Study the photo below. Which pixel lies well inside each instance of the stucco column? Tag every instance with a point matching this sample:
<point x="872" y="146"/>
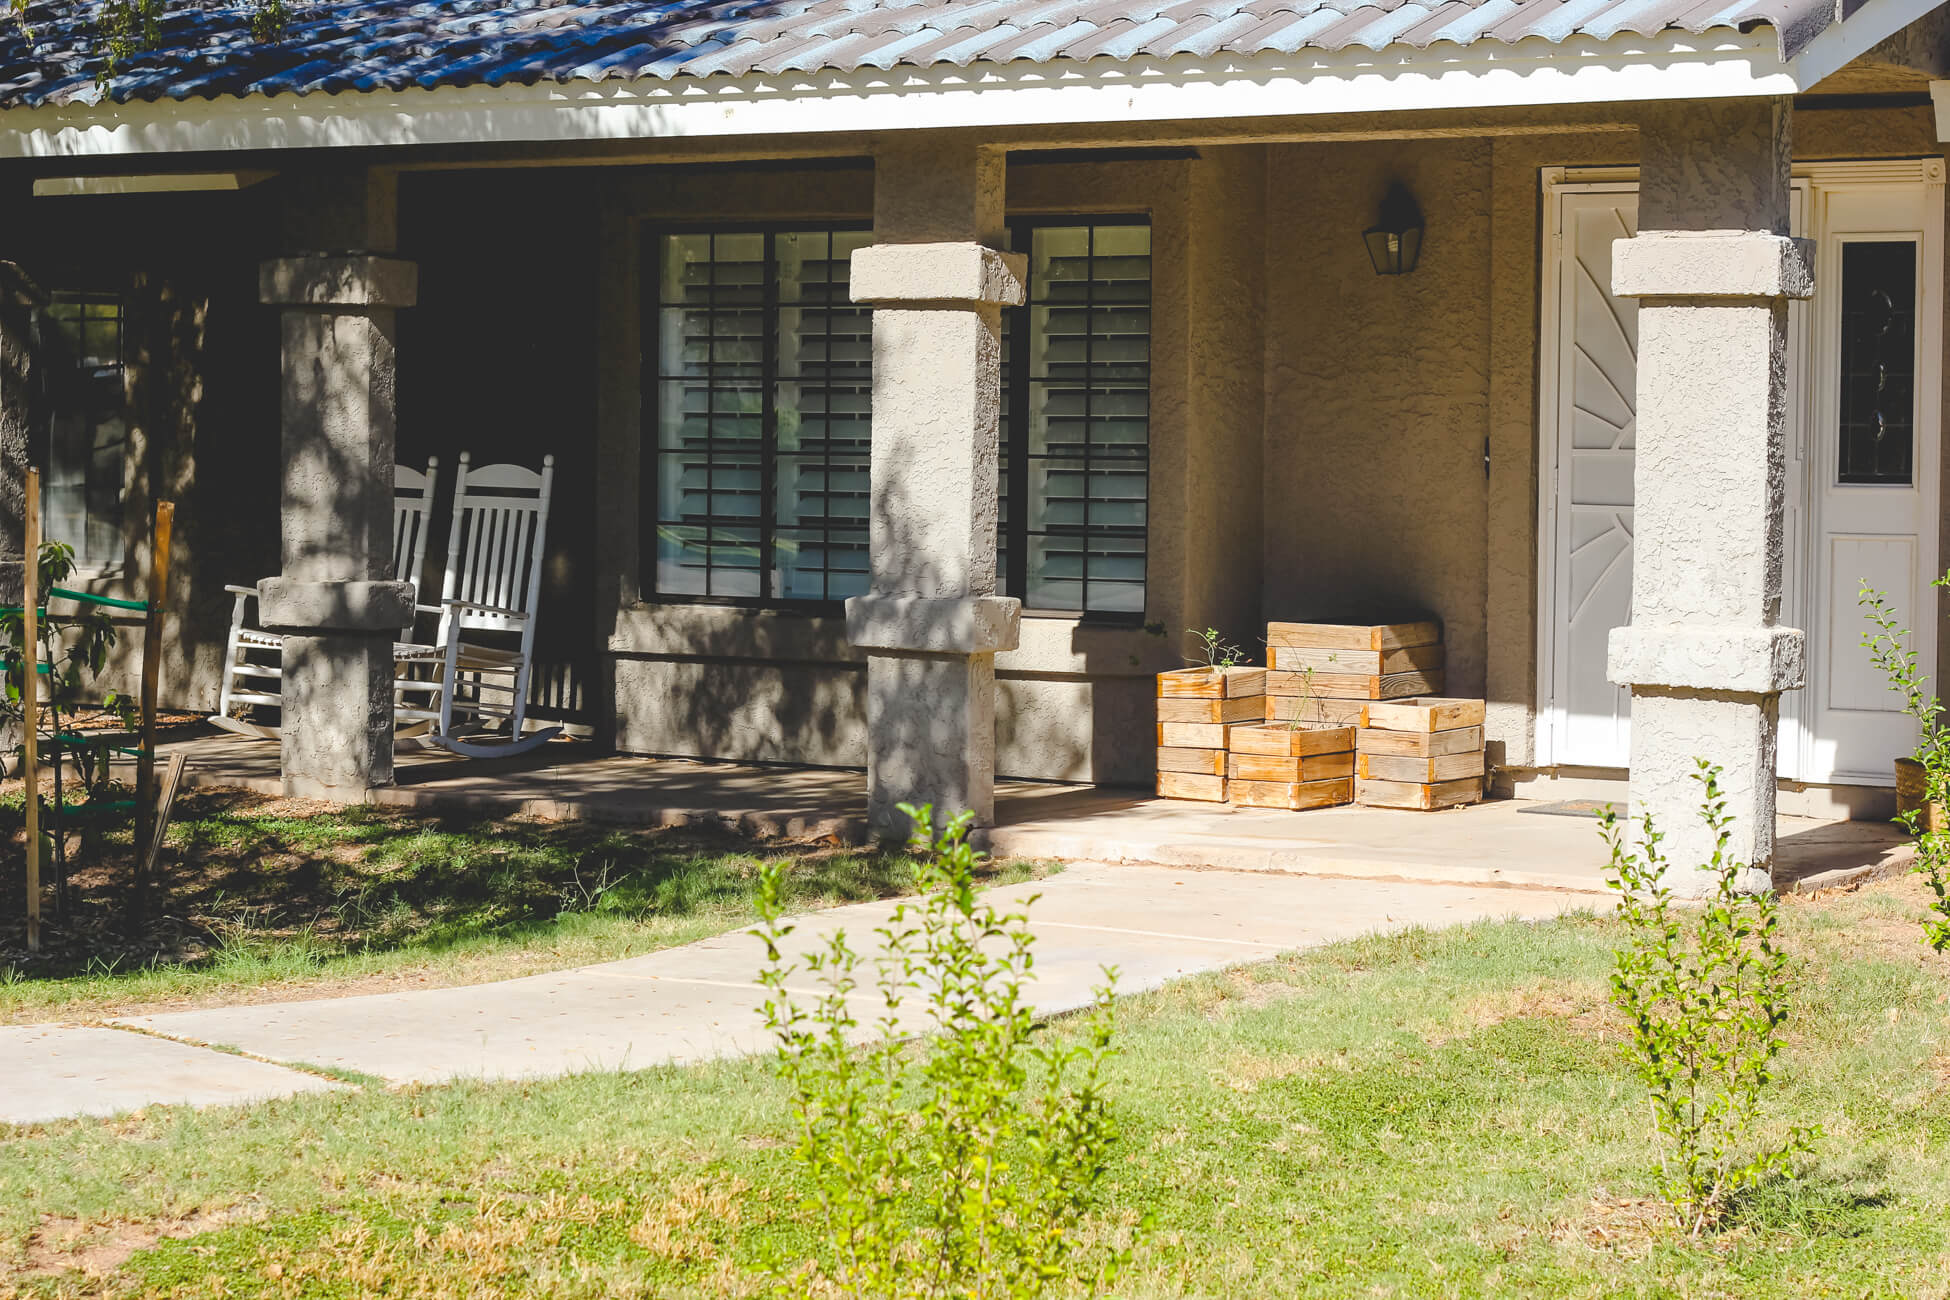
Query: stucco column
<point x="1713" y="270"/>
<point x="335" y="602"/>
<point x="932" y="622"/>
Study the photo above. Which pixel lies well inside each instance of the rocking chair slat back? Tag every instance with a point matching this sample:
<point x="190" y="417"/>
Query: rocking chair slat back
<point x="412" y="507"/>
<point x="496" y="544"/>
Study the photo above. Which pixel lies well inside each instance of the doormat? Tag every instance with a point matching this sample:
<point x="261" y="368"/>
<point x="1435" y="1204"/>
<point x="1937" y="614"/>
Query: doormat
<point x="1571" y="808"/>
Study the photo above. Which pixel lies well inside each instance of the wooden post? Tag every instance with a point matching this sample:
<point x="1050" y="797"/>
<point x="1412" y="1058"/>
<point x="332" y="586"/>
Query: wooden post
<point x="145" y="761"/>
<point x="29" y="692"/>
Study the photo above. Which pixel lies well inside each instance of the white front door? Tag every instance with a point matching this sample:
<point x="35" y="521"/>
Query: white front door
<point x="1861" y="473"/>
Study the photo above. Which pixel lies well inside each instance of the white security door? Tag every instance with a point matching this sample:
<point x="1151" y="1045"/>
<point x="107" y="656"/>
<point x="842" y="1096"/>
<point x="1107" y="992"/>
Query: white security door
<point x="1591" y="394"/>
<point x="1872" y="408"/>
<point x="1862" y="468"/>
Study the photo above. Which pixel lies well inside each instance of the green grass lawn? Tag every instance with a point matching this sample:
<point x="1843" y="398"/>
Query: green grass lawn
<point x="1438" y="1115"/>
<point x="267" y="898"/>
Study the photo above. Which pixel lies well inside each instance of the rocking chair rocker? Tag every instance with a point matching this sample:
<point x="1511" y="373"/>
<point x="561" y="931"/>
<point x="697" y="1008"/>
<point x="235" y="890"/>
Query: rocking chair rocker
<point x="477" y="698"/>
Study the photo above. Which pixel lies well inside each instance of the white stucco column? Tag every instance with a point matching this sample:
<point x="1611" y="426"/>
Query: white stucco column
<point x="1713" y="269"/>
<point x="932" y="622"/>
<point x="336" y="601"/>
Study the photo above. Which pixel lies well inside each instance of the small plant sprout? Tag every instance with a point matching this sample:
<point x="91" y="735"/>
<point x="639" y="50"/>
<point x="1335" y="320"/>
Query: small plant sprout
<point x="1889" y="646"/>
<point x="966" y="1162"/>
<point x="1212" y="650"/>
<point x="1705" y="991"/>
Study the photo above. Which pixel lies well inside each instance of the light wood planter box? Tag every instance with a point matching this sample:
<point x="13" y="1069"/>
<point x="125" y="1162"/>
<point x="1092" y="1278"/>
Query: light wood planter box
<point x="1422" y="753"/>
<point x="1316" y="663"/>
<point x="1281" y="766"/>
<point x="1353" y="636"/>
<point x="1198" y="710"/>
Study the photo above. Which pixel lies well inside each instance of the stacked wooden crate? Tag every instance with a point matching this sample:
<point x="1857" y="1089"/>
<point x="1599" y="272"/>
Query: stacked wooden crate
<point x="1283" y="766"/>
<point x="1198" y="709"/>
<point x="1420" y="753"/>
<point x="1324" y="674"/>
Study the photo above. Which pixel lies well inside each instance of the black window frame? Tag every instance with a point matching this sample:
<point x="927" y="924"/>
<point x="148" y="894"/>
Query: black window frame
<point x="650" y="379"/>
<point x="1014" y="455"/>
<point x="1012" y="452"/>
<point x="60" y="381"/>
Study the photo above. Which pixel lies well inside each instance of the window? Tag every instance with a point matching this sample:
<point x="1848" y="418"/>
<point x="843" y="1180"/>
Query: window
<point x="1878" y="361"/>
<point x="763" y="389"/>
<point x="759" y="387"/>
<point x="82" y="358"/>
<point x="1076" y="433"/>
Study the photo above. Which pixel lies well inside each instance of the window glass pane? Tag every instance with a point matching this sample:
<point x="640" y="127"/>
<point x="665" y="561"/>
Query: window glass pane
<point x="1878" y="361"/>
<point x="1086" y="440"/>
<point x="81" y="346"/>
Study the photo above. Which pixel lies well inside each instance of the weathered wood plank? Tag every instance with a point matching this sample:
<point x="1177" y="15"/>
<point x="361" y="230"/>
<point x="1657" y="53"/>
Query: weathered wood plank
<point x="1291" y="742"/>
<point x="1275" y="767"/>
<point x="1191" y="785"/>
<point x="1206" y="762"/>
<point x="1193" y="735"/>
<point x="1354" y="686"/>
<point x="1422" y="797"/>
<point x="1430" y="714"/>
<point x="1314" y="711"/>
<point x="1291" y="796"/>
<point x="1418" y="744"/>
<point x="1247" y="708"/>
<point x="1211" y="683"/>
<point x="1353" y="636"/>
<point x="1429" y="770"/>
<point x="1411" y="659"/>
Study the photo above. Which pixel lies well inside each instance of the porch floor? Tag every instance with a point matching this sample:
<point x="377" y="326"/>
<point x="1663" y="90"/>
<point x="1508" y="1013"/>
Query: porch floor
<point x="1505" y="842"/>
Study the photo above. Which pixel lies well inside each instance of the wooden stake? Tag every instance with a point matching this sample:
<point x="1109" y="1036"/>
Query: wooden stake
<point x="145" y="762"/>
<point x="30" y="686"/>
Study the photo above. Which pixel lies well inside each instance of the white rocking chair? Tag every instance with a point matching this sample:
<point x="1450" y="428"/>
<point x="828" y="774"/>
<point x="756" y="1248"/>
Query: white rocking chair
<point x="478" y="699"/>
<point x="251" y="655"/>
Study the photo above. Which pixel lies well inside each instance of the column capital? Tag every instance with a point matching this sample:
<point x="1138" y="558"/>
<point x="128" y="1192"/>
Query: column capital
<point x="1712" y="264"/>
<point x="961" y="273"/>
<point x="1722" y="660"/>
<point x="375" y="608"/>
<point x="948" y="625"/>
<point x="339" y="280"/>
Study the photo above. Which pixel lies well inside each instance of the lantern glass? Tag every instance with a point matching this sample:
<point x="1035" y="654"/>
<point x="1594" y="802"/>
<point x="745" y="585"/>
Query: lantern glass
<point x="1393" y="252"/>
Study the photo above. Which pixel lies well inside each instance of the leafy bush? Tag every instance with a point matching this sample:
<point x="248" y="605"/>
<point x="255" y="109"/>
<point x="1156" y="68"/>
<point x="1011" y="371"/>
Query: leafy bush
<point x="1889" y="647"/>
<point x="964" y="1163"/>
<point x="1705" y="991"/>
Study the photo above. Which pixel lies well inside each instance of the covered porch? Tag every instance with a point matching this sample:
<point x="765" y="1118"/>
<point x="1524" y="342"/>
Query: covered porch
<point x="1515" y="843"/>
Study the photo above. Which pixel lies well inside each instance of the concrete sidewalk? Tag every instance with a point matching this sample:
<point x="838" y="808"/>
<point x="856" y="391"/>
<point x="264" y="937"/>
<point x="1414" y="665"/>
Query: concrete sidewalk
<point x="700" y="1001"/>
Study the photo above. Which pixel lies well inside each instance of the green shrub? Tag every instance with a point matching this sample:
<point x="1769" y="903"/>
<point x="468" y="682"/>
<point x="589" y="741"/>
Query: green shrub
<point x="1889" y="646"/>
<point x="966" y="1162"/>
<point x="1705" y="990"/>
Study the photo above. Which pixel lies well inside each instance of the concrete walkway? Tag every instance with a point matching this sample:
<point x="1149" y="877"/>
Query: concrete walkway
<point x="700" y="1001"/>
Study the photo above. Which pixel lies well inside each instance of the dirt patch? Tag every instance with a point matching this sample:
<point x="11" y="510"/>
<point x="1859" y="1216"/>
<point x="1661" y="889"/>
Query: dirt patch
<point x="1630" y="1223"/>
<point x="1583" y="1008"/>
<point x="96" y="1249"/>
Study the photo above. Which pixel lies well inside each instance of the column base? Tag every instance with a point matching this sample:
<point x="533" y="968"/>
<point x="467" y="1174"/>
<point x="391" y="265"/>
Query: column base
<point x="930" y="739"/>
<point x="337" y="730"/>
<point x="1671" y="730"/>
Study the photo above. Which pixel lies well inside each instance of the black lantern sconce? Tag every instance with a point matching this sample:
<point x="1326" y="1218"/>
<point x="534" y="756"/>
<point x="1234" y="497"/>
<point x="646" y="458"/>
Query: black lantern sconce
<point x="1395" y="241"/>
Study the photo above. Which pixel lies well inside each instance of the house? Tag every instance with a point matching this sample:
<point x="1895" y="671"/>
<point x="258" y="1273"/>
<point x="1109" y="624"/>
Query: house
<point x="918" y="371"/>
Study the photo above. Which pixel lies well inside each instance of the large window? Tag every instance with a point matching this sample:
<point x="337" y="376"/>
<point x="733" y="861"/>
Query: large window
<point x="759" y="381"/>
<point x="763" y="384"/>
<point x="81" y="356"/>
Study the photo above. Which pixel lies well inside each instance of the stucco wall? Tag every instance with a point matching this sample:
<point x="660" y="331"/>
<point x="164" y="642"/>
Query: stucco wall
<point x="1377" y="394"/>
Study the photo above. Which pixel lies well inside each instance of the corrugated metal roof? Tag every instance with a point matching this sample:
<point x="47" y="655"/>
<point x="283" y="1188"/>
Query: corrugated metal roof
<point x="333" y="46"/>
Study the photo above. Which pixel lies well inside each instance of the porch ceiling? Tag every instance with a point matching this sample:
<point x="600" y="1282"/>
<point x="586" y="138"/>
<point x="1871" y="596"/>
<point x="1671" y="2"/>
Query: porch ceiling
<point x="348" y="46"/>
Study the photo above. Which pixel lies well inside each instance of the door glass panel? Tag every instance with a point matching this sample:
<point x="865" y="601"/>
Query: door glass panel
<point x="1878" y="361"/>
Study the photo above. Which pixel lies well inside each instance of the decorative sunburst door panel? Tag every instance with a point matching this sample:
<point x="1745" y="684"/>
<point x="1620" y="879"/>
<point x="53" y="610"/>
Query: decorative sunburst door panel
<point x="1596" y="388"/>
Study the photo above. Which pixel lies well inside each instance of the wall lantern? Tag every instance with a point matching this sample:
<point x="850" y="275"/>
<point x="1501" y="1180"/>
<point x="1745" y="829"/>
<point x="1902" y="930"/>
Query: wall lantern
<point x="1395" y="240"/>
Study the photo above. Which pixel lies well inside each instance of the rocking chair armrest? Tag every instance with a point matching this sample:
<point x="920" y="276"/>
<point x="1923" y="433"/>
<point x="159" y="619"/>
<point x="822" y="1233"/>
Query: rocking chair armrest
<point x="454" y="602"/>
<point x="235" y="590"/>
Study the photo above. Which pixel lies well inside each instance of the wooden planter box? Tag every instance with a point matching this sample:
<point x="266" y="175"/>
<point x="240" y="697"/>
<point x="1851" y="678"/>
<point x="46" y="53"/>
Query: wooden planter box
<point x="1423" y="754"/>
<point x="1280" y="766"/>
<point x="1910" y="788"/>
<point x="1198" y="709"/>
<point x="1319" y="662"/>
